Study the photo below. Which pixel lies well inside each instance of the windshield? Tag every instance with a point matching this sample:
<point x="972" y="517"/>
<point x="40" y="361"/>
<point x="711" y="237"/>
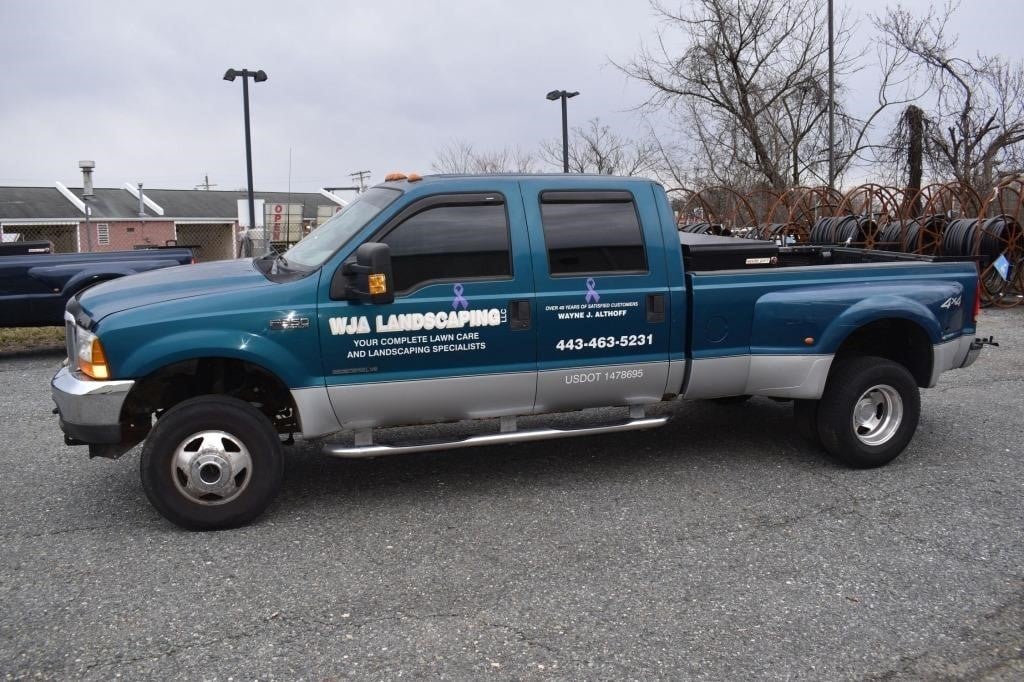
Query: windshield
<point x="319" y="244"/>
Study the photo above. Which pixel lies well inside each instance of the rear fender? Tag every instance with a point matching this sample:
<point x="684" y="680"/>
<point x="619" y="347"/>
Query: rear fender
<point x="877" y="308"/>
<point x="817" y="321"/>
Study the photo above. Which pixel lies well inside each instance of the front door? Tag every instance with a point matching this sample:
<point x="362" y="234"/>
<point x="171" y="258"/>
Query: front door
<point x="603" y="305"/>
<point x="458" y="341"/>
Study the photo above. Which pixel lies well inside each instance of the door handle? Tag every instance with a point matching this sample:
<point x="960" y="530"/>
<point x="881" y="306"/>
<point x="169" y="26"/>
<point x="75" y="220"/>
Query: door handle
<point x="519" y="315"/>
<point x="655" y="308"/>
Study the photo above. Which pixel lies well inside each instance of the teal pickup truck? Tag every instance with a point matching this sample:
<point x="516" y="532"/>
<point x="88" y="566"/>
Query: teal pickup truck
<point x="451" y="298"/>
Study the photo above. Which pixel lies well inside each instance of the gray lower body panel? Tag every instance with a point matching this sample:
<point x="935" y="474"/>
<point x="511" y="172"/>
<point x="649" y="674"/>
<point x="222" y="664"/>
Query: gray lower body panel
<point x="316" y="416"/>
<point x="951" y="355"/>
<point x="602" y="386"/>
<point x="423" y="401"/>
<point x="396" y="403"/>
<point x="776" y="376"/>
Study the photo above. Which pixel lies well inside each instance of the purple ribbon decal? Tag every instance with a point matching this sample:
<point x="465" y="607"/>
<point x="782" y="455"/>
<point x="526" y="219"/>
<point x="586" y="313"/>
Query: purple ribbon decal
<point x="592" y="295"/>
<point x="459" y="300"/>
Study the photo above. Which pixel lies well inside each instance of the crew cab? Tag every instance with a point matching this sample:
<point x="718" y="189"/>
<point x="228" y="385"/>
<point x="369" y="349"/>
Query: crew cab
<point x="450" y="298"/>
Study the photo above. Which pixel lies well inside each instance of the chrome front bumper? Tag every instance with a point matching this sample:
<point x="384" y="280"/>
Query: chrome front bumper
<point x="90" y="411"/>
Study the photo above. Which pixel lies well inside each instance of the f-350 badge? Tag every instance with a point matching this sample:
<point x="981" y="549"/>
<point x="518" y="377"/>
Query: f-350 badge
<point x="290" y="323"/>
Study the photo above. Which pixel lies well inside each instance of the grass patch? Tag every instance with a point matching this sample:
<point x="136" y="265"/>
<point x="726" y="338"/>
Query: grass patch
<point x="31" y="338"/>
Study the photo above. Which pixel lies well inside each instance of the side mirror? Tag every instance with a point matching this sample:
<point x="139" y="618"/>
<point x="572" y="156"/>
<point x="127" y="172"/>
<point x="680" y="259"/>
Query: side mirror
<point x="366" y="278"/>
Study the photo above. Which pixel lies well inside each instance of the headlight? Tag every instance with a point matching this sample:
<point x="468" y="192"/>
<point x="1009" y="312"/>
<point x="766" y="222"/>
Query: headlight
<point x="89" y="353"/>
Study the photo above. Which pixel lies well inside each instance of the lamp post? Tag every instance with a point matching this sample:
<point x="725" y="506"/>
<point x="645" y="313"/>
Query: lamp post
<point x="563" y="95"/>
<point x="258" y="77"/>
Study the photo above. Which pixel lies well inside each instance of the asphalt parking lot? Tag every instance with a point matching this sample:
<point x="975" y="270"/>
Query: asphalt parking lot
<point x="718" y="547"/>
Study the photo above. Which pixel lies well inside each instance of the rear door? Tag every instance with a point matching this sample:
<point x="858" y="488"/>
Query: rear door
<point x="602" y="294"/>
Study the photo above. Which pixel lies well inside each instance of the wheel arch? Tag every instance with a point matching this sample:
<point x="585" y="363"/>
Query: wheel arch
<point x="899" y="339"/>
<point x="175" y="382"/>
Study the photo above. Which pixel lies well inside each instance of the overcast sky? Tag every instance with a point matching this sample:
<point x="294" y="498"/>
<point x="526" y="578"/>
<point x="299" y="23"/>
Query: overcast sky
<point x="137" y="86"/>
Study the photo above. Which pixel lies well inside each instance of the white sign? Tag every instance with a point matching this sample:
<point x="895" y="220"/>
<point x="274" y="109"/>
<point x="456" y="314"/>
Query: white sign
<point x="243" y="212"/>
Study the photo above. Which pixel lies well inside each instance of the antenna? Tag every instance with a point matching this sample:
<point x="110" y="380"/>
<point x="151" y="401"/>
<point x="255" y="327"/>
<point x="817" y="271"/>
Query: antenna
<point x="205" y="184"/>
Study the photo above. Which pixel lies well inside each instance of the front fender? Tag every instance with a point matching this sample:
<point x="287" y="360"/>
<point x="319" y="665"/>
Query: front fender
<point x="265" y="351"/>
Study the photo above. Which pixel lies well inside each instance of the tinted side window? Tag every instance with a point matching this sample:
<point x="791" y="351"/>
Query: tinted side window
<point x="450" y="242"/>
<point x="592" y="236"/>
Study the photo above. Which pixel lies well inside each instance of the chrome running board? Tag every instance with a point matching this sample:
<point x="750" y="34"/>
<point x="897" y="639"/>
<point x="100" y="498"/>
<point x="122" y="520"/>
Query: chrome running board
<point x="370" y="450"/>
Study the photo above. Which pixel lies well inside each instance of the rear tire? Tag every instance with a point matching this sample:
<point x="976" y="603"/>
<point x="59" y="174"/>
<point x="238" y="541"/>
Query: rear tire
<point x="212" y="462"/>
<point x="869" y="411"/>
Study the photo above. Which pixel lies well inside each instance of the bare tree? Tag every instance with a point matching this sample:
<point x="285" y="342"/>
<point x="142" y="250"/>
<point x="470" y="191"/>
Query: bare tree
<point x="597" y="149"/>
<point x="456" y="157"/>
<point x="459" y="157"/>
<point x="975" y="129"/>
<point x="750" y="87"/>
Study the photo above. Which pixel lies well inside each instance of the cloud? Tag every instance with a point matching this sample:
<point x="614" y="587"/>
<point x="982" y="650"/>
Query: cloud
<point x="137" y="86"/>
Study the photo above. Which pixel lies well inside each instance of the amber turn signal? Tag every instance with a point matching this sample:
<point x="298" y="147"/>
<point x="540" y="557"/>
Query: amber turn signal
<point x="378" y="284"/>
<point x="96" y="364"/>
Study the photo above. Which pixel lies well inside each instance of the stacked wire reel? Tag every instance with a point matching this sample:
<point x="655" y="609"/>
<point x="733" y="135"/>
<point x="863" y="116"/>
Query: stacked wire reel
<point x="942" y="219"/>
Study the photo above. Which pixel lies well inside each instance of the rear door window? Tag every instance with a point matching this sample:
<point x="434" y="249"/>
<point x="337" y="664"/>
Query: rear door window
<point x="592" y="233"/>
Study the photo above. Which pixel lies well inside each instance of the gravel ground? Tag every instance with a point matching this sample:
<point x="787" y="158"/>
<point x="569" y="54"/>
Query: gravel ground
<point x="717" y="547"/>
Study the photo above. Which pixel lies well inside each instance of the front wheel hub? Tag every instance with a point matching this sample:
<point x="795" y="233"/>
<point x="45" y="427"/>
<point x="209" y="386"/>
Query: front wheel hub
<point x="211" y="467"/>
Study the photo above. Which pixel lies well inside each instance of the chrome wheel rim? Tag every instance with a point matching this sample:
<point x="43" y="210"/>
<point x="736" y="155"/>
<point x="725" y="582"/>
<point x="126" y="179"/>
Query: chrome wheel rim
<point x="877" y="415"/>
<point x="211" y="467"/>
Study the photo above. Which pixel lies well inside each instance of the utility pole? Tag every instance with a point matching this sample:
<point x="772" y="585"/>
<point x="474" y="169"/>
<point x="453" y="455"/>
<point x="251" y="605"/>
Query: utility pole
<point x="360" y="177"/>
<point x="206" y="184"/>
<point x="831" y="101"/>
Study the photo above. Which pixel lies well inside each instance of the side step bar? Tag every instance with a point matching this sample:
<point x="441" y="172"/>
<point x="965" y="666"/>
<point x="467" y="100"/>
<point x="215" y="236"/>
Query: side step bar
<point x="360" y="451"/>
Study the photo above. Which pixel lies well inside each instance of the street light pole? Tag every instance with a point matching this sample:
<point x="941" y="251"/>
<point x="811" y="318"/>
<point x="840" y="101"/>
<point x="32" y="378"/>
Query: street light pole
<point x="563" y="95"/>
<point x="258" y="77"/>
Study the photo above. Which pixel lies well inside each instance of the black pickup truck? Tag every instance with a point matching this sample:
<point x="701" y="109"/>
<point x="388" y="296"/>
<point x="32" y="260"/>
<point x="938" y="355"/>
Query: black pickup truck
<point x="35" y="285"/>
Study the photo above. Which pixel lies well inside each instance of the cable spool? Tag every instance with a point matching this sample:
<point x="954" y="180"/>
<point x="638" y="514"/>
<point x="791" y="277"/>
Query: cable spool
<point x="835" y="230"/>
<point x="928" y="240"/>
<point x="821" y="233"/>
<point x="769" y="230"/>
<point x="852" y="230"/>
<point x="999" y="235"/>
<point x="758" y="231"/>
<point x="889" y="237"/>
<point x="958" y="237"/>
<point x="707" y="228"/>
<point x="697" y="228"/>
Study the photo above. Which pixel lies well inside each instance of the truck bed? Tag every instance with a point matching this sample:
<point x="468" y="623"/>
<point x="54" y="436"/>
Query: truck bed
<point x="708" y="253"/>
